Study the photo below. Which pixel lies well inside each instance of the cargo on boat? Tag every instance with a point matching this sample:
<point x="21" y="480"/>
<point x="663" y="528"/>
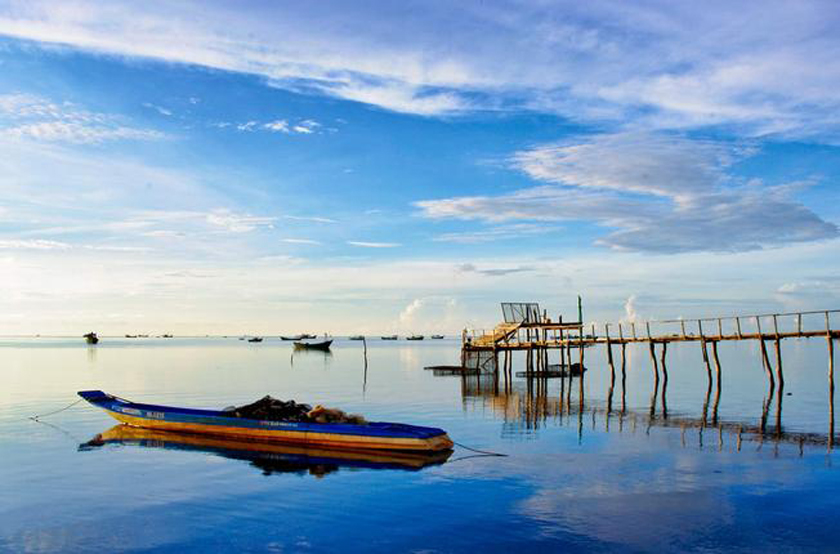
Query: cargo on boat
<point x="375" y="435"/>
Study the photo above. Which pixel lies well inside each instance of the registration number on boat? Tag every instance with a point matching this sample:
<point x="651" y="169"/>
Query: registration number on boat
<point x="277" y="424"/>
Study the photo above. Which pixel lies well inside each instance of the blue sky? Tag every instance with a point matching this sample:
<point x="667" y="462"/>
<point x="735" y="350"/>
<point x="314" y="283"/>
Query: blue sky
<point x="400" y="167"/>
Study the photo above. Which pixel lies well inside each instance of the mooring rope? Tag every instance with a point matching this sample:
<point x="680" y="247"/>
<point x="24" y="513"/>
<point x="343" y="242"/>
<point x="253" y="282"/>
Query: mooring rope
<point x="38" y="417"/>
<point x="485" y="452"/>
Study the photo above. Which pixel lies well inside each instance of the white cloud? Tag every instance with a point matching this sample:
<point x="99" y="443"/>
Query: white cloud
<point x="36" y="244"/>
<point x="301" y="241"/>
<point x="769" y="68"/>
<point x="373" y="244"/>
<point x="34" y="117"/>
<point x="249" y="126"/>
<point x="159" y="109"/>
<point x="497" y="233"/>
<point x="239" y="223"/>
<point x="492" y="271"/>
<point x="314" y="219"/>
<point x="278" y="126"/>
<point x="662" y="194"/>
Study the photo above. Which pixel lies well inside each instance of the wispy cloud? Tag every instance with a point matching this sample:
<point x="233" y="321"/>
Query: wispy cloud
<point x="373" y="244"/>
<point x="655" y="193"/>
<point x="498" y="232"/>
<point x="492" y="271"/>
<point x="314" y="219"/>
<point x="36" y="244"/>
<point x="34" y="117"/>
<point x="278" y="126"/>
<point x="301" y="241"/>
<point x="159" y="109"/>
<point x="40" y="244"/>
<point x="769" y="68"/>
<point x="239" y="223"/>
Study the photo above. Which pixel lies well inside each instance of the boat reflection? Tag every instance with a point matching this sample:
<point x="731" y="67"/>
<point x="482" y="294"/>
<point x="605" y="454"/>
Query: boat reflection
<point x="270" y="458"/>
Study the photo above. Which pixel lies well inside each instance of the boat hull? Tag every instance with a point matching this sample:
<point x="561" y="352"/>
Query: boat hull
<point x="373" y="436"/>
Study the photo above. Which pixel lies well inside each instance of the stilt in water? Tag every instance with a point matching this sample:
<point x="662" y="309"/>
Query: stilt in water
<point x="612" y="373"/>
<point x="664" y="381"/>
<point x="718" y="387"/>
<point x="654" y="364"/>
<point x="705" y="416"/>
<point x="623" y="378"/>
<point x="580" y="377"/>
<point x="830" y="382"/>
<point x="764" y="358"/>
<point x="780" y="377"/>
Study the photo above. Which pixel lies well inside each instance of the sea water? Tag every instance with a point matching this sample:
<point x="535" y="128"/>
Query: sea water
<point x="617" y="470"/>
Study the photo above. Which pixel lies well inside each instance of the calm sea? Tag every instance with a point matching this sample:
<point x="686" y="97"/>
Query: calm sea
<point x="626" y="472"/>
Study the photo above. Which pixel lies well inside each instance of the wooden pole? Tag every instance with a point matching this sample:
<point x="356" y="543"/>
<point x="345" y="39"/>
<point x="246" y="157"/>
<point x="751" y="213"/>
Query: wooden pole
<point x="718" y="387"/>
<point x="623" y="377"/>
<point x="609" y="353"/>
<point x="580" y="376"/>
<point x="830" y="381"/>
<point x="705" y="353"/>
<point x="652" y="346"/>
<point x="779" y="373"/>
<point x="664" y="381"/>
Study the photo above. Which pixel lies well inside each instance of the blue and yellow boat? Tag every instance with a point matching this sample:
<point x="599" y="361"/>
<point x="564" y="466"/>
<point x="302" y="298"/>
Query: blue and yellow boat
<point x="369" y="436"/>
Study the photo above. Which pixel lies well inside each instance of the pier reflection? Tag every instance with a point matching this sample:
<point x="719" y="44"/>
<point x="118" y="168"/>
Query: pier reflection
<point x="270" y="458"/>
<point x="528" y="404"/>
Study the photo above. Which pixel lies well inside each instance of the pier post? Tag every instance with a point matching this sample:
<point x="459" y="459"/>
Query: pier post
<point x="765" y="359"/>
<point x="609" y="353"/>
<point x="623" y="377"/>
<point x="830" y="340"/>
<point x="705" y="352"/>
<point x="780" y="377"/>
<point x="664" y="381"/>
<point x="779" y="374"/>
<point x="652" y="346"/>
<point x="718" y="388"/>
<point x="580" y="377"/>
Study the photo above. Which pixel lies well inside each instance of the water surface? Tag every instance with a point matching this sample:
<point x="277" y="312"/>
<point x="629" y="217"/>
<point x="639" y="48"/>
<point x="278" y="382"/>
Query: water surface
<point x="646" y="477"/>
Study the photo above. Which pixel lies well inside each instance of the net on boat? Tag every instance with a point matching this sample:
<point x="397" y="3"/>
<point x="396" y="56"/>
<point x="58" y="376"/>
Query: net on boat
<point x="272" y="409"/>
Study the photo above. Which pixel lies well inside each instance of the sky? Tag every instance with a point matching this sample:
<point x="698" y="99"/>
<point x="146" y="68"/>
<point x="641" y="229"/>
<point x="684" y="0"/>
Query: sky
<point x="399" y="167"/>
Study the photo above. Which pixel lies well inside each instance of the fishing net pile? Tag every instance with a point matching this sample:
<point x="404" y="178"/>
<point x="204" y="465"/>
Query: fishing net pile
<point x="272" y="409"/>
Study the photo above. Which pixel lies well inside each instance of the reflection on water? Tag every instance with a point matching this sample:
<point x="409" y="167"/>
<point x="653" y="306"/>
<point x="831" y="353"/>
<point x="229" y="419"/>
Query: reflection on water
<point x="615" y="461"/>
<point x="270" y="458"/>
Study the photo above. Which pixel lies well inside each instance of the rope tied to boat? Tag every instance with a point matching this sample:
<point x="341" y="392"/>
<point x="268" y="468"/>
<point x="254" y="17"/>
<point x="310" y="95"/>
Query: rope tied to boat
<point x="485" y="452"/>
<point x="38" y="417"/>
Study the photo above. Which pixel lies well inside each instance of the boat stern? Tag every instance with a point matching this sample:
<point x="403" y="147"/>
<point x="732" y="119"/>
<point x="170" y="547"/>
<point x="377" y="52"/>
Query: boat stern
<point x="95" y="397"/>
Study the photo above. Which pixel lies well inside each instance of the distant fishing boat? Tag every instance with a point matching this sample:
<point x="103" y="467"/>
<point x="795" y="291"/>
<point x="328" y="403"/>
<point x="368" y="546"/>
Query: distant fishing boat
<point x="166" y="336"/>
<point x="295" y="337"/>
<point x="367" y="436"/>
<point x="357" y="337"/>
<point x="415" y="337"/>
<point x="255" y="339"/>
<point x="91" y="338"/>
<point x="437" y="337"/>
<point x="323" y="345"/>
<point x="389" y="337"/>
